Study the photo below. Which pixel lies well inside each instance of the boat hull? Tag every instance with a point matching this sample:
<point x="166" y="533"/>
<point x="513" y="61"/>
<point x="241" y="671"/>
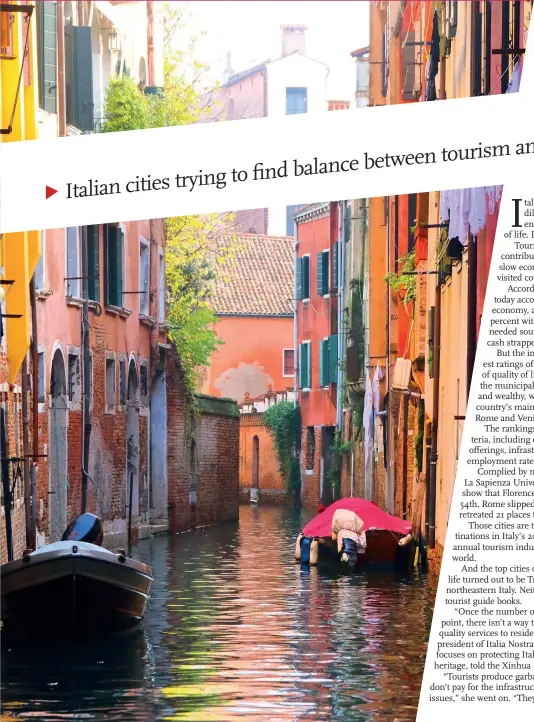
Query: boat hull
<point x="74" y="588"/>
<point x="382" y="549"/>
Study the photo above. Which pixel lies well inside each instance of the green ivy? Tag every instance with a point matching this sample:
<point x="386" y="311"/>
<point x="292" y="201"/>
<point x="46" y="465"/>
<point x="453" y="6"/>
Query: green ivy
<point x="334" y="478"/>
<point x="342" y="448"/>
<point x="283" y="422"/>
<point x="420" y="436"/>
<point x="404" y="281"/>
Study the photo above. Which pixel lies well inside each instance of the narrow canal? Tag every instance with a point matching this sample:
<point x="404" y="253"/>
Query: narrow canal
<point x="235" y="630"/>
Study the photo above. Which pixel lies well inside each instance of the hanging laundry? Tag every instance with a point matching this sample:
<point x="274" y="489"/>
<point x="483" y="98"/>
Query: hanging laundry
<point x="432" y="65"/>
<point x="368" y="419"/>
<point x="377" y="378"/>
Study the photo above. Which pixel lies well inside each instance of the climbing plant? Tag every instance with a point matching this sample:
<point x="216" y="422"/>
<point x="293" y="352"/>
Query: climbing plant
<point x="404" y="281"/>
<point x="420" y="436"/>
<point x="283" y="422"/>
<point x="340" y="447"/>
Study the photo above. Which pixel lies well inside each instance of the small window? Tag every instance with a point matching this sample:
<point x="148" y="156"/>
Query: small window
<point x="73" y="262"/>
<point x="41" y="387"/>
<point x="144" y="275"/>
<point x="296" y="101"/>
<point x="161" y="287"/>
<point x="310" y="448"/>
<point x="289" y="362"/>
<point x="122" y="381"/>
<point x="144" y="384"/>
<point x="74" y="379"/>
<point x="110" y="385"/>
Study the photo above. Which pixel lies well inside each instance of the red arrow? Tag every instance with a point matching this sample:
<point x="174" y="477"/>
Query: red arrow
<point x="50" y="192"/>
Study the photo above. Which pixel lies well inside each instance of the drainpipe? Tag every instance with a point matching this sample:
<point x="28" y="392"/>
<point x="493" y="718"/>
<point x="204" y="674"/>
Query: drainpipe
<point x="25" y="452"/>
<point x="60" y="22"/>
<point x="435" y="395"/>
<point x="35" y="412"/>
<point x="296" y="359"/>
<point x="341" y="301"/>
<point x="471" y="309"/>
<point x="86" y="365"/>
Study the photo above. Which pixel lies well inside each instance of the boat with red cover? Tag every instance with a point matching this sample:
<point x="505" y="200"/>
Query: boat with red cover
<point x="388" y="539"/>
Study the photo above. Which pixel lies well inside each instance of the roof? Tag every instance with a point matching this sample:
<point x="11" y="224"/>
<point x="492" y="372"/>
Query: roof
<point x="259" y="278"/>
<point x="361" y="51"/>
<point x="260" y="68"/>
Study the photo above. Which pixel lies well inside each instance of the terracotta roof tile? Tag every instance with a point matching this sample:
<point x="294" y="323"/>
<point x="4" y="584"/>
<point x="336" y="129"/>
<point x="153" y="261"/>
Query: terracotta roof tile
<point x="258" y="279"/>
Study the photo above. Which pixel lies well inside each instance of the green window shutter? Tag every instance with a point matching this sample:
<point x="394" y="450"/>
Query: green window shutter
<point x="323" y="363"/>
<point x="326" y="272"/>
<point x="119" y="252"/>
<point x="93" y="263"/>
<point x="79" y="77"/>
<point x="309" y="379"/>
<point x="306" y="277"/>
<point x="332" y="359"/>
<point x="113" y="260"/>
<point x="303" y="370"/>
<point x="320" y="274"/>
<point x="335" y="263"/>
<point x="298" y="275"/>
<point x="47" y="55"/>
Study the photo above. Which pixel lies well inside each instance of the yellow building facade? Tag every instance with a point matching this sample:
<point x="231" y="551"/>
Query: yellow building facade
<point x="19" y="252"/>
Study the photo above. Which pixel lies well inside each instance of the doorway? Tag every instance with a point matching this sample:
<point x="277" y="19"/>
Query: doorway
<point x="57" y="431"/>
<point x="255" y="463"/>
<point x="158" y="447"/>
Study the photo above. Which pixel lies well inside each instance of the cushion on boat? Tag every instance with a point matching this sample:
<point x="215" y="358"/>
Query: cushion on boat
<point x="348" y="520"/>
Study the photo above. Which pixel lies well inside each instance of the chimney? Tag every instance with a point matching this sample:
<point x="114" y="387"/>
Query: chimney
<point x="293" y="39"/>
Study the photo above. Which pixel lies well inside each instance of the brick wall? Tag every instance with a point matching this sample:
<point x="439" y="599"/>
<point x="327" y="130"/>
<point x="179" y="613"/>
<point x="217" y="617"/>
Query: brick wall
<point x="311" y="478"/>
<point x="11" y="402"/>
<point x="203" y="452"/>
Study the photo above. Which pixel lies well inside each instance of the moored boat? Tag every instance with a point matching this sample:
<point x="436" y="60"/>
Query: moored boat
<point x="373" y="537"/>
<point x="74" y="586"/>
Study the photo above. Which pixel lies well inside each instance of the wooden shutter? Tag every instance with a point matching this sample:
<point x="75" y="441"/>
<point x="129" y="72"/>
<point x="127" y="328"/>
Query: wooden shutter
<point x="323" y="363"/>
<point x="304" y="365"/>
<point x="93" y="263"/>
<point x="332" y="359"/>
<point x="309" y="379"/>
<point x="320" y="275"/>
<point x="113" y="261"/>
<point x="298" y="275"/>
<point x="335" y="251"/>
<point x="306" y="277"/>
<point x="47" y="54"/>
<point x="73" y="262"/>
<point x="119" y="253"/>
<point x="79" y="77"/>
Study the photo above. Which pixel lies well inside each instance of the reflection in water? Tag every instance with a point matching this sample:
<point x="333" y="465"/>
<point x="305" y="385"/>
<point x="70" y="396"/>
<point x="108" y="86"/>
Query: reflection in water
<point x="235" y="630"/>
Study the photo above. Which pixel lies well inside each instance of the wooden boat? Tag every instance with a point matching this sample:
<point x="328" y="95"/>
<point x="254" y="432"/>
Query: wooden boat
<point x="388" y="537"/>
<point x="74" y="586"/>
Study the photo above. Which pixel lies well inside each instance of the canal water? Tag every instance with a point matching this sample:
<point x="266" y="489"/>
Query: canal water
<point x="235" y="630"/>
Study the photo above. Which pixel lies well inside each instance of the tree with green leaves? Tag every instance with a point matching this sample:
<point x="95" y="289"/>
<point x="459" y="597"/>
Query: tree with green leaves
<point x="192" y="264"/>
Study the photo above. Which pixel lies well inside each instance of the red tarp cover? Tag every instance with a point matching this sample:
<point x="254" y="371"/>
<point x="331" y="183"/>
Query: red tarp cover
<point x="372" y="516"/>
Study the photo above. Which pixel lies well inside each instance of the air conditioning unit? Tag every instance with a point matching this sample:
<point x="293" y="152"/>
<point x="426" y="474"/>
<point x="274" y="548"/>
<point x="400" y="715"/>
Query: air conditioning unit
<point x="402" y="374"/>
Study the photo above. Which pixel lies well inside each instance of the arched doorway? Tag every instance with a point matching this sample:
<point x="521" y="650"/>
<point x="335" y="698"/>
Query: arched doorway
<point x="132" y="441"/>
<point x="255" y="463"/>
<point x="158" y="447"/>
<point x="57" y="455"/>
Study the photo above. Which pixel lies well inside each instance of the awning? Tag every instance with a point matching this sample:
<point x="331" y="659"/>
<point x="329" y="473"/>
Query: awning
<point x="113" y="14"/>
